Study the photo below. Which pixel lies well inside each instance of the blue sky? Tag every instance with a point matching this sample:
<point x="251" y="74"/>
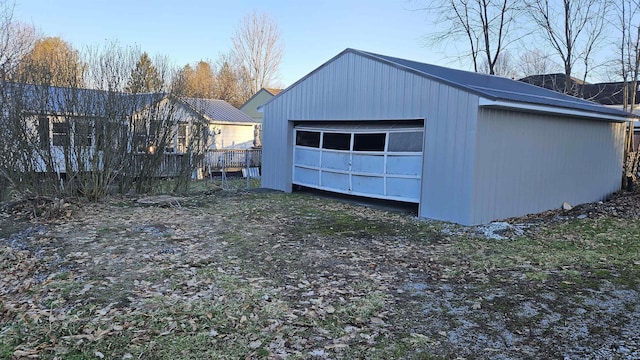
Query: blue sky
<point x="190" y="30"/>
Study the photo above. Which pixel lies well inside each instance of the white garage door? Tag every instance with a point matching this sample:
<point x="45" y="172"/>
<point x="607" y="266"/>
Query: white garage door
<point x="383" y="163"/>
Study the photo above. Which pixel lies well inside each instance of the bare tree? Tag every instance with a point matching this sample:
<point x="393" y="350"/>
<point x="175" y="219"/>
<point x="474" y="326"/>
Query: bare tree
<point x="628" y="25"/>
<point x="536" y="62"/>
<point x="63" y="141"/>
<point x="16" y="40"/>
<point x="484" y="24"/>
<point x="109" y="65"/>
<point x="504" y="66"/>
<point x="258" y="50"/>
<point x="573" y="29"/>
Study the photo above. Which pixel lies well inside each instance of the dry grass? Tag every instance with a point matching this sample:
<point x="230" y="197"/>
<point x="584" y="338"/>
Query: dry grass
<point x="237" y="274"/>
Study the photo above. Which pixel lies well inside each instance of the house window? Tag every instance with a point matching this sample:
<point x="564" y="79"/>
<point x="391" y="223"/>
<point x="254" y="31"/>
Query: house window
<point x="140" y="136"/>
<point x="43" y="132"/>
<point x="60" y="133"/>
<point x="405" y="141"/>
<point x="369" y="142"/>
<point x="182" y="137"/>
<point x="336" y="141"/>
<point x="308" y="139"/>
<point x="82" y="133"/>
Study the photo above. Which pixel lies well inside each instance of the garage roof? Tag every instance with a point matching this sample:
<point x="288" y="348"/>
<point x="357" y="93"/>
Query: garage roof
<point x="496" y="91"/>
<point x="500" y="91"/>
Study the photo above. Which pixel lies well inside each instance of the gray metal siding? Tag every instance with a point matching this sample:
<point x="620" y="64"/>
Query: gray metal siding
<point x="528" y="163"/>
<point x="353" y="87"/>
<point x="450" y="140"/>
<point x="277" y="151"/>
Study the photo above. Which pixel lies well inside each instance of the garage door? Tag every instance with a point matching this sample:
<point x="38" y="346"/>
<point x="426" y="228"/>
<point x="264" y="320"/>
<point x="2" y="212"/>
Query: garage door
<point x="384" y="163"/>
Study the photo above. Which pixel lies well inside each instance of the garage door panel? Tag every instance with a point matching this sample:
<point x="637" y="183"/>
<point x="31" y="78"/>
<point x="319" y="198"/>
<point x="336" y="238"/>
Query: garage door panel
<point x="307" y="157"/>
<point x="404" y="188"/>
<point x="338" y="181"/>
<point x="365" y="163"/>
<point x="304" y="176"/>
<point x="367" y="184"/>
<point x="335" y="160"/>
<point x="404" y="164"/>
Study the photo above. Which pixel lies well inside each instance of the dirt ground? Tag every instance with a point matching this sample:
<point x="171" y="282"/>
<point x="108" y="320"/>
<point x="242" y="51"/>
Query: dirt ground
<point x="252" y="274"/>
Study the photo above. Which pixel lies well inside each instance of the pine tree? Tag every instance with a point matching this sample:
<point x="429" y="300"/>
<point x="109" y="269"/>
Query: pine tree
<point x="145" y="77"/>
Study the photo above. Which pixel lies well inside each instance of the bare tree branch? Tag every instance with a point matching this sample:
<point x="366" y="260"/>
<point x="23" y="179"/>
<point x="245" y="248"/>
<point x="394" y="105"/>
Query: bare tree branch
<point x="16" y="40"/>
<point x="573" y="29"/>
<point x="258" y="50"/>
<point x="483" y="24"/>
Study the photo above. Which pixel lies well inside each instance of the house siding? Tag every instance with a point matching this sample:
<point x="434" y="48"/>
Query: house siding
<point x="251" y="107"/>
<point x="528" y="163"/>
<point x="232" y="136"/>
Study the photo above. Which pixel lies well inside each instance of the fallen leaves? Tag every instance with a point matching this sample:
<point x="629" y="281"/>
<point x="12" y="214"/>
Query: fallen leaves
<point x="231" y="276"/>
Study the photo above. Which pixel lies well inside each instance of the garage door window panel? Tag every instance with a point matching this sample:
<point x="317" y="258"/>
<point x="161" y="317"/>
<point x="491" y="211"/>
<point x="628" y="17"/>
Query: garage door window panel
<point x="336" y="181"/>
<point x="308" y="139"/>
<point x="307" y="176"/>
<point x="401" y="187"/>
<point x="336" y="141"/>
<point x="405" y="142"/>
<point x="369" y="142"/>
<point x="404" y="164"/>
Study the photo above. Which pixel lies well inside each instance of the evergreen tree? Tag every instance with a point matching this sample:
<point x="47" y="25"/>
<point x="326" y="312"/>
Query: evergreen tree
<point x="144" y="77"/>
<point x="227" y="85"/>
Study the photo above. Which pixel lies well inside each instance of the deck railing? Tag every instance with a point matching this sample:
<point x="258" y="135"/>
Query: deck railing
<point x="232" y="160"/>
<point x="171" y="165"/>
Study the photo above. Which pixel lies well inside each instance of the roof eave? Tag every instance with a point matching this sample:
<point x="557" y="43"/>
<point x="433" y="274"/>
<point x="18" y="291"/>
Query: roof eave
<point x="240" y="123"/>
<point x="529" y="107"/>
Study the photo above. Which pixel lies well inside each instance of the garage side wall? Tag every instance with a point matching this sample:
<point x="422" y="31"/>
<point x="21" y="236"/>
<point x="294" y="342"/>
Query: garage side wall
<point x="528" y="163"/>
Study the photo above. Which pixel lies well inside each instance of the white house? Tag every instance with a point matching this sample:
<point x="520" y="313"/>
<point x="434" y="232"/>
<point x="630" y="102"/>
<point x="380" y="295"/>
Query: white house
<point x="229" y="127"/>
<point x="467" y="147"/>
<point x="70" y="126"/>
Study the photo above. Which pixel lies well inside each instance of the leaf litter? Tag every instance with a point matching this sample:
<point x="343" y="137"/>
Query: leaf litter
<point x="271" y="275"/>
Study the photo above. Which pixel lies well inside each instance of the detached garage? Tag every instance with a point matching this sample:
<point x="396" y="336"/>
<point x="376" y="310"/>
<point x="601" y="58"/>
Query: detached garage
<point x="467" y="147"/>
